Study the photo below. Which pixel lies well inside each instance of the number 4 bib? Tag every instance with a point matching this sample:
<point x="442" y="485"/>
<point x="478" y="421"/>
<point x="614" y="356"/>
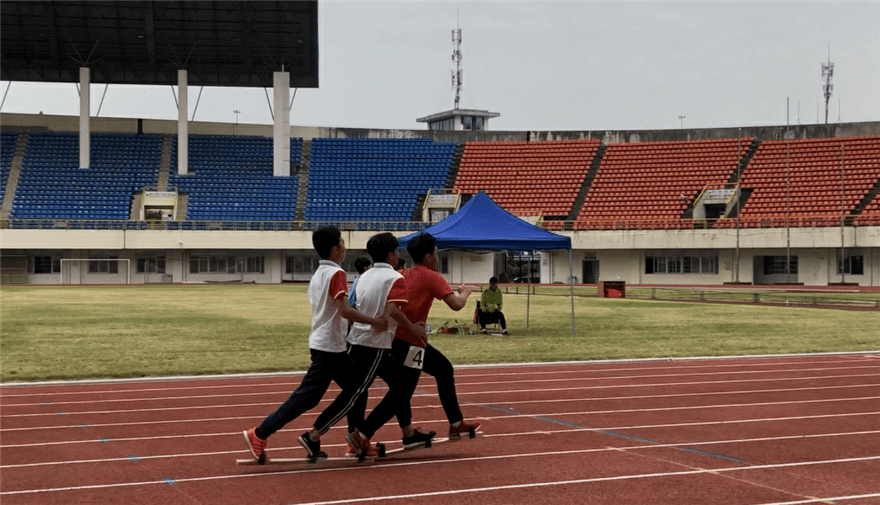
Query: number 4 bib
<point x="415" y="357"/>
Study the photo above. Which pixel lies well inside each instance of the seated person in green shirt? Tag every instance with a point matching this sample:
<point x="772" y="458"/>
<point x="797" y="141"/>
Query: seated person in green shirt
<point x="490" y="307"/>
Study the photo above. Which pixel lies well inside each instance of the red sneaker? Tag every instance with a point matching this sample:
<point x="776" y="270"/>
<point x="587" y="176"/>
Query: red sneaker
<point x="255" y="444"/>
<point x="463" y="428"/>
<point x="362" y="446"/>
<point x="350" y="451"/>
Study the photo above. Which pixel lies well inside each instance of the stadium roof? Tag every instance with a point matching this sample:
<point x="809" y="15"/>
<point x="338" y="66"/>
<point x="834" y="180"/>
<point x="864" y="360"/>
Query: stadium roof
<point x="220" y="43"/>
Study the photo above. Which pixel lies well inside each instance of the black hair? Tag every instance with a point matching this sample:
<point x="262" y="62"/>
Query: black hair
<point x="420" y="246"/>
<point x="325" y="239"/>
<point x="381" y="245"/>
<point x="493" y="280"/>
<point x="361" y="264"/>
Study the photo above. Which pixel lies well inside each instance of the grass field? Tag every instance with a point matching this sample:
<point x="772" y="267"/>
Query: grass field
<point x="78" y="332"/>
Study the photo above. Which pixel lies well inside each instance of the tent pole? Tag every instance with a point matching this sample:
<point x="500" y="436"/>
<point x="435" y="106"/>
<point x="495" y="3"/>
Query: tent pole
<point x="571" y="290"/>
<point x="529" y="296"/>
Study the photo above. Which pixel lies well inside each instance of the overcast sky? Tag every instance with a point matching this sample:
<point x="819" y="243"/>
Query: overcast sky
<point x="551" y="66"/>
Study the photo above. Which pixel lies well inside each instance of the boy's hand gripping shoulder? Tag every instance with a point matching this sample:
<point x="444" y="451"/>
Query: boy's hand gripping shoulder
<point x="345" y="310"/>
<point x="417" y="329"/>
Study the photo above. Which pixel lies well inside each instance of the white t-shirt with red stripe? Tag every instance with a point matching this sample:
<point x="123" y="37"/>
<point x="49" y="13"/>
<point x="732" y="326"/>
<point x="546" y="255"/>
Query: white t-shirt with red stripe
<point x="328" y="327"/>
<point x="377" y="287"/>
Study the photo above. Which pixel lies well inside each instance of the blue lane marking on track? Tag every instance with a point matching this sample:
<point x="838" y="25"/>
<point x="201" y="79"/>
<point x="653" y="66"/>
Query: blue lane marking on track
<point x="132" y="457"/>
<point x="61" y="414"/>
<point x="613" y="433"/>
<point x="629" y="437"/>
<point x="169" y="481"/>
<point x="712" y="454"/>
<point x="105" y="440"/>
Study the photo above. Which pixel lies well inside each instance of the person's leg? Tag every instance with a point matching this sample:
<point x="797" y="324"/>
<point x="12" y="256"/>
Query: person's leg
<point x="355" y="380"/>
<point x="306" y="397"/>
<point x="396" y="400"/>
<point x="439" y="367"/>
<point x="502" y="321"/>
<point x="407" y="376"/>
<point x="482" y="319"/>
<point x="408" y="373"/>
<point x="366" y="361"/>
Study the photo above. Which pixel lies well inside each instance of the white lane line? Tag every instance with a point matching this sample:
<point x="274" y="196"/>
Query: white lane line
<point x="488" y="418"/>
<point x="449" y="492"/>
<point x="215" y="419"/>
<point x="683" y="362"/>
<point x="297" y="448"/>
<point x="458" y="386"/>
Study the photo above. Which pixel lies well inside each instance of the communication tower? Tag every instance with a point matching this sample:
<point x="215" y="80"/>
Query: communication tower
<point x="827" y="74"/>
<point x="456" y="59"/>
<point x="457" y="118"/>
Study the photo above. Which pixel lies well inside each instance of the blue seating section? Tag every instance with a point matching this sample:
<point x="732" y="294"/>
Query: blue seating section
<point x="373" y="179"/>
<point x="7" y="152"/>
<point x="231" y="179"/>
<point x="51" y="184"/>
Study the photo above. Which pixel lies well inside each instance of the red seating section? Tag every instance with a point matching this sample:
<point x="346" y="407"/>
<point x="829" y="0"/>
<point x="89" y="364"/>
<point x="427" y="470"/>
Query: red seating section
<point x="527" y="178"/>
<point x="648" y="185"/>
<point x="871" y="215"/>
<point x="800" y="181"/>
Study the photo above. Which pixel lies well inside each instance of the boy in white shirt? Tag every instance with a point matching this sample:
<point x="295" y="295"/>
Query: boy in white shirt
<point x="381" y="291"/>
<point x="330" y="362"/>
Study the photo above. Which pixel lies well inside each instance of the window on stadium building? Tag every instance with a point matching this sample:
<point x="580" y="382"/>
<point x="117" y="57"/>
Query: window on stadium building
<point x="151" y="265"/>
<point x="666" y="263"/>
<point x="101" y="266"/>
<point x="302" y="264"/>
<point x="227" y="264"/>
<point x="775" y="265"/>
<point x="47" y="265"/>
<point x="852" y="264"/>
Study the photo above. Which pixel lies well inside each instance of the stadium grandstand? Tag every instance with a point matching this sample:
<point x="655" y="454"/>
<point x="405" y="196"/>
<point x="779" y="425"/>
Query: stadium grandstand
<point x="115" y="200"/>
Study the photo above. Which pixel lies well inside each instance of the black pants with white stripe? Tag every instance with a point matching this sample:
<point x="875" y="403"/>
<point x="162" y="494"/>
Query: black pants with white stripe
<point x="386" y="365"/>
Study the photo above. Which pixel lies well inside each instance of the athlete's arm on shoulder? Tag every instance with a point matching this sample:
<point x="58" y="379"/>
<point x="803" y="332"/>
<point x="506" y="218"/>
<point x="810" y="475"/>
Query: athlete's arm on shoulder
<point x="353" y="315"/>
<point x="392" y="311"/>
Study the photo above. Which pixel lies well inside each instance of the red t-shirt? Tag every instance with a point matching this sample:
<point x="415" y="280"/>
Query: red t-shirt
<point x="425" y="285"/>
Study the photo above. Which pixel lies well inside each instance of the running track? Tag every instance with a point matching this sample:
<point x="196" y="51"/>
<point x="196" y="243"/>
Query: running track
<point x="788" y="429"/>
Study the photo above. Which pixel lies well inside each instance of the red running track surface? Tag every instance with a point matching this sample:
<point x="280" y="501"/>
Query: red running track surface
<point x="787" y="429"/>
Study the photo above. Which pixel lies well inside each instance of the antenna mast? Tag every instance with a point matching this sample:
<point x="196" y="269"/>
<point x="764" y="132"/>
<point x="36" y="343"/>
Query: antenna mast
<point x="827" y="74"/>
<point x="456" y="57"/>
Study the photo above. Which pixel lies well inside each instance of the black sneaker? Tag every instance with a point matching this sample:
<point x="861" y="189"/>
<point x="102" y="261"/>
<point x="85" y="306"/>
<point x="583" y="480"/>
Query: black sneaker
<point x="312" y="447"/>
<point x="418" y="438"/>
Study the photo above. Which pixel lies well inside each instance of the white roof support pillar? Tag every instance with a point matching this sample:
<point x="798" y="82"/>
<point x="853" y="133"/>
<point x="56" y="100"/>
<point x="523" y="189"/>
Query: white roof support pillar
<point x="281" y="141"/>
<point x="85" y="84"/>
<point x="182" y="124"/>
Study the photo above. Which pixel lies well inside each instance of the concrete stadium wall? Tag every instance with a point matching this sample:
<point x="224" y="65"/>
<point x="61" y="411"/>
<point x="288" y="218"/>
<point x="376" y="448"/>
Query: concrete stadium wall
<point x="621" y="254"/>
<point x="129" y="125"/>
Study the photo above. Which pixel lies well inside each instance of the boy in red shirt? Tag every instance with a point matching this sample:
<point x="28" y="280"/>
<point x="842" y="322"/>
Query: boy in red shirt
<point x="425" y="285"/>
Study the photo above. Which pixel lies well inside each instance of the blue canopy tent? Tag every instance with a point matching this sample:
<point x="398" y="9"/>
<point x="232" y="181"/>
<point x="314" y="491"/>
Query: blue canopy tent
<point x="481" y="225"/>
